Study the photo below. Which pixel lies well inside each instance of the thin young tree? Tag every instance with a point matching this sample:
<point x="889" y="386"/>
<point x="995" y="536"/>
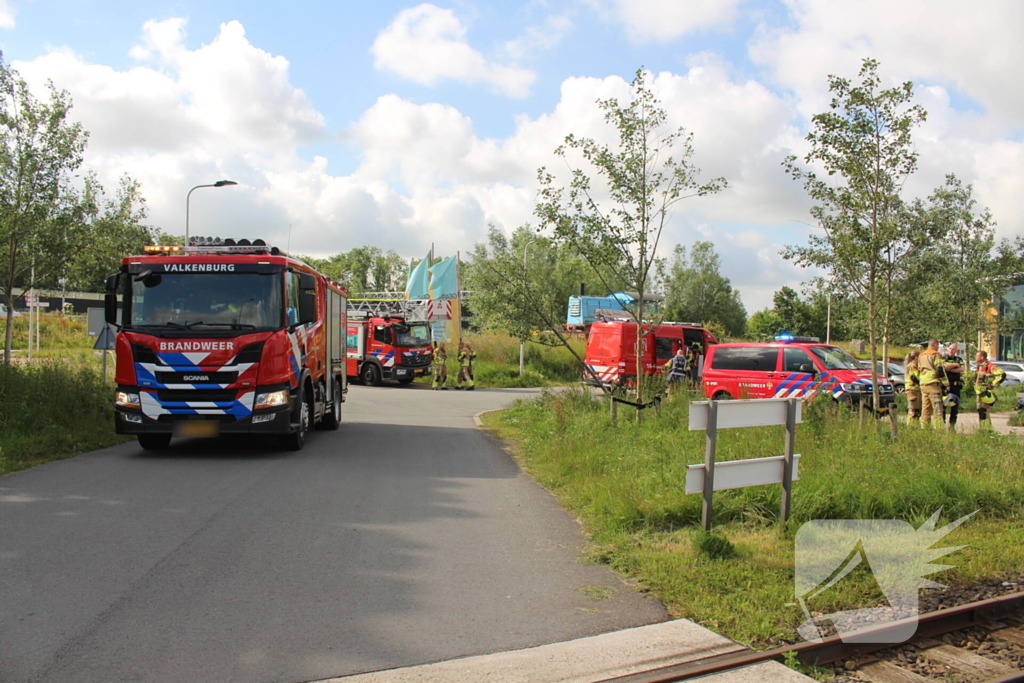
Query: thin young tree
<point x="615" y="220"/>
<point x="39" y="150"/>
<point x="863" y="146"/>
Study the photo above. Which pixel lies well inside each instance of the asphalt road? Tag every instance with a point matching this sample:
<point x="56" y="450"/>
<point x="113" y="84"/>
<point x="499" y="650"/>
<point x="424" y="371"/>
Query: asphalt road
<point x="406" y="537"/>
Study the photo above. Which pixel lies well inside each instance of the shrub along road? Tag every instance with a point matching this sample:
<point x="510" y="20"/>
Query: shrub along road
<point x="406" y="537"/>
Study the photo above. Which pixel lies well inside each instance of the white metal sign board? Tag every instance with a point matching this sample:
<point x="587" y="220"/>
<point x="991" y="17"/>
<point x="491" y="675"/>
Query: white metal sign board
<point x="737" y="474"/>
<point x="439" y="309"/>
<point x="755" y="412"/>
<point x="97" y="321"/>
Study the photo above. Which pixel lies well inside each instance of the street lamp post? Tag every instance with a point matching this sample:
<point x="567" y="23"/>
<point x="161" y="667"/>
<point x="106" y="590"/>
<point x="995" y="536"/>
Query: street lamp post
<point x="522" y="342"/>
<point x="188" y="198"/>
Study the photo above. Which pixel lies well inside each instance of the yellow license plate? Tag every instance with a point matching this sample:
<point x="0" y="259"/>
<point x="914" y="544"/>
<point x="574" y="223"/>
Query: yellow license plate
<point x="197" y="429"/>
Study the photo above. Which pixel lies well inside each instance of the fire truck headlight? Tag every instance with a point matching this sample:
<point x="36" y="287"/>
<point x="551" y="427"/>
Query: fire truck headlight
<point x="853" y="388"/>
<point x="272" y="399"/>
<point x="127" y="399"/>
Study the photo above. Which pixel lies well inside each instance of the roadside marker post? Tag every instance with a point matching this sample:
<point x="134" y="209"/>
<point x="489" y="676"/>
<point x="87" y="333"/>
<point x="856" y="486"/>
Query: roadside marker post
<point x="711" y="416"/>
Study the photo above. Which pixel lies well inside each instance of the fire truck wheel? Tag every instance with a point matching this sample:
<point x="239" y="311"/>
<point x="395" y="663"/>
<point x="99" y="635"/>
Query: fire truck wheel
<point x="722" y="396"/>
<point x="297" y="439"/>
<point x="332" y="419"/>
<point x="154" y="442"/>
<point x="370" y="375"/>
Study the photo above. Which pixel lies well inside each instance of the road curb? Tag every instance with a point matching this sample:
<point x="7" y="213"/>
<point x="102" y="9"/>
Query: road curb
<point x="594" y="658"/>
<point x="478" y="422"/>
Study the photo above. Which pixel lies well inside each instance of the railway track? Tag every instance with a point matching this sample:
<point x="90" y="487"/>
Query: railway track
<point x="964" y="643"/>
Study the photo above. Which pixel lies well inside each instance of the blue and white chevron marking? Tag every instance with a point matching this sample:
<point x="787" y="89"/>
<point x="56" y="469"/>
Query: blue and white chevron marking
<point x="386" y="358"/>
<point x="240" y="408"/>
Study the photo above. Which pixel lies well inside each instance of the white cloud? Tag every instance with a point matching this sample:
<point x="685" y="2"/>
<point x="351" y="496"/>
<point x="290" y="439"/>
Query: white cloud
<point x="973" y="48"/>
<point x="426" y="44"/>
<point x="654" y="21"/>
<point x="228" y="109"/>
<point x="6" y="14"/>
<point x="539" y="38"/>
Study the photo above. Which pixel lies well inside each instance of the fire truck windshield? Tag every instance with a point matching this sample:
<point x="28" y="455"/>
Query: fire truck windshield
<point x="207" y="301"/>
<point x="835" y="358"/>
<point x="413" y="334"/>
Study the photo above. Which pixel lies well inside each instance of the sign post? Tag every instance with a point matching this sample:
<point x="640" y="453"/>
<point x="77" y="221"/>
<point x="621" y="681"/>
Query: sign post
<point x="711" y="439"/>
<point x="711" y="476"/>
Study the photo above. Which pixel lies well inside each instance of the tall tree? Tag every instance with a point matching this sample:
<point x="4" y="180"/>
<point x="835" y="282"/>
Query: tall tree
<point x="39" y="150"/>
<point x="961" y="273"/>
<point x="364" y="269"/>
<point x="522" y="283"/>
<point x="792" y="313"/>
<point x="695" y="290"/>
<point x="864" y="146"/>
<point x="615" y="221"/>
<point x="111" y="228"/>
<point x="765" y="324"/>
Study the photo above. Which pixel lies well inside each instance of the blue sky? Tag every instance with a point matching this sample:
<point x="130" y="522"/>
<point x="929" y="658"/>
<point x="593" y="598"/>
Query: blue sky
<point x="401" y="124"/>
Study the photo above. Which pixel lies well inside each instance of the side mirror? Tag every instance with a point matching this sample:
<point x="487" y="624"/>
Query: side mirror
<point x="110" y="300"/>
<point x="307" y="299"/>
<point x="809" y="369"/>
<point x="307" y="307"/>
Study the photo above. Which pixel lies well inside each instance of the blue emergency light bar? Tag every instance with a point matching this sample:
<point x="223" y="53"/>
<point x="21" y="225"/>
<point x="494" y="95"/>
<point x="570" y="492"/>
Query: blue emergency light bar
<point x="791" y="338"/>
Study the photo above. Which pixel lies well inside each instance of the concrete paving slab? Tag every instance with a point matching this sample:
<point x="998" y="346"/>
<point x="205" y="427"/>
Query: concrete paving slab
<point x="591" y="659"/>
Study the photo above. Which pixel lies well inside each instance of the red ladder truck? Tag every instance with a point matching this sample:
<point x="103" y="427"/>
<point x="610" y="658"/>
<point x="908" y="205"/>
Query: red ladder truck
<point x="226" y="337"/>
<point x="387" y="339"/>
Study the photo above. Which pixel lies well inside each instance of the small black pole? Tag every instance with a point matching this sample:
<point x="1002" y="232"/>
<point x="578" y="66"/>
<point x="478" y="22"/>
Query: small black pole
<point x="709" y="463"/>
<point x="787" y="468"/>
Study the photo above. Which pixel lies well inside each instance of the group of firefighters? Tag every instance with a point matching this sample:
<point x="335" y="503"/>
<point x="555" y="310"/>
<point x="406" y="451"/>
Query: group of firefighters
<point x="935" y="381"/>
<point x="466" y="358"/>
<point x="682" y="367"/>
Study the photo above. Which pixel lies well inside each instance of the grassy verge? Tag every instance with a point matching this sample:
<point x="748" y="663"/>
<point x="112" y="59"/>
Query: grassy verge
<point x="51" y="410"/>
<point x="497" y="363"/>
<point x="59" y="405"/>
<point x="625" y="483"/>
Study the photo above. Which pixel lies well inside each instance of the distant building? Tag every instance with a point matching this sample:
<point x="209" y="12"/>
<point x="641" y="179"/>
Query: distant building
<point x="1009" y="345"/>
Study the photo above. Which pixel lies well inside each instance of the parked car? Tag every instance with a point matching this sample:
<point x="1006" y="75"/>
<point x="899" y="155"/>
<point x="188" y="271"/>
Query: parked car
<point x="896" y="374"/>
<point x="3" y="312"/>
<point x="1014" y="372"/>
<point x="1013" y="377"/>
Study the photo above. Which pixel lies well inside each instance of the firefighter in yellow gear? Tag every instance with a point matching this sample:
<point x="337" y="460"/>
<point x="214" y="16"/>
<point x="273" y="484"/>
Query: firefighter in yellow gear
<point x="932" y="376"/>
<point x="440" y="368"/>
<point x="913" y="386"/>
<point x="466" y="357"/>
<point x="988" y="377"/>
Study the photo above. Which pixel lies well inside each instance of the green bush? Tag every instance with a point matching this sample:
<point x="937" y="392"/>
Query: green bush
<point x="713" y="545"/>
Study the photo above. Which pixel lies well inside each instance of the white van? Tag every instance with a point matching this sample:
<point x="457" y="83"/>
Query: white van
<point x="3" y="312"/>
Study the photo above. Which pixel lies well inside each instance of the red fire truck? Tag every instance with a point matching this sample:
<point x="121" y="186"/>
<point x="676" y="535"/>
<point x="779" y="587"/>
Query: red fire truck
<point x="225" y="337"/>
<point x="611" y="348"/>
<point x="386" y="340"/>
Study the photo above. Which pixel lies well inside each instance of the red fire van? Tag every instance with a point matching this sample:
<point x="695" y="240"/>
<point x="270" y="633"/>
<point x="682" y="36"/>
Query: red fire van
<point x="797" y="367"/>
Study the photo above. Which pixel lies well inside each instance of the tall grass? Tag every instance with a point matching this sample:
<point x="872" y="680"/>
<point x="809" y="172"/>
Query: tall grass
<point x="630" y="477"/>
<point x="497" y="363"/>
<point x="53" y="409"/>
<point x="626" y="482"/>
<point x="59" y="404"/>
<point x="58" y="335"/>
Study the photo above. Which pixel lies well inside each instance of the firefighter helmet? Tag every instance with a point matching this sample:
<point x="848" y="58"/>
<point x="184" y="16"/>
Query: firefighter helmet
<point x="987" y="397"/>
